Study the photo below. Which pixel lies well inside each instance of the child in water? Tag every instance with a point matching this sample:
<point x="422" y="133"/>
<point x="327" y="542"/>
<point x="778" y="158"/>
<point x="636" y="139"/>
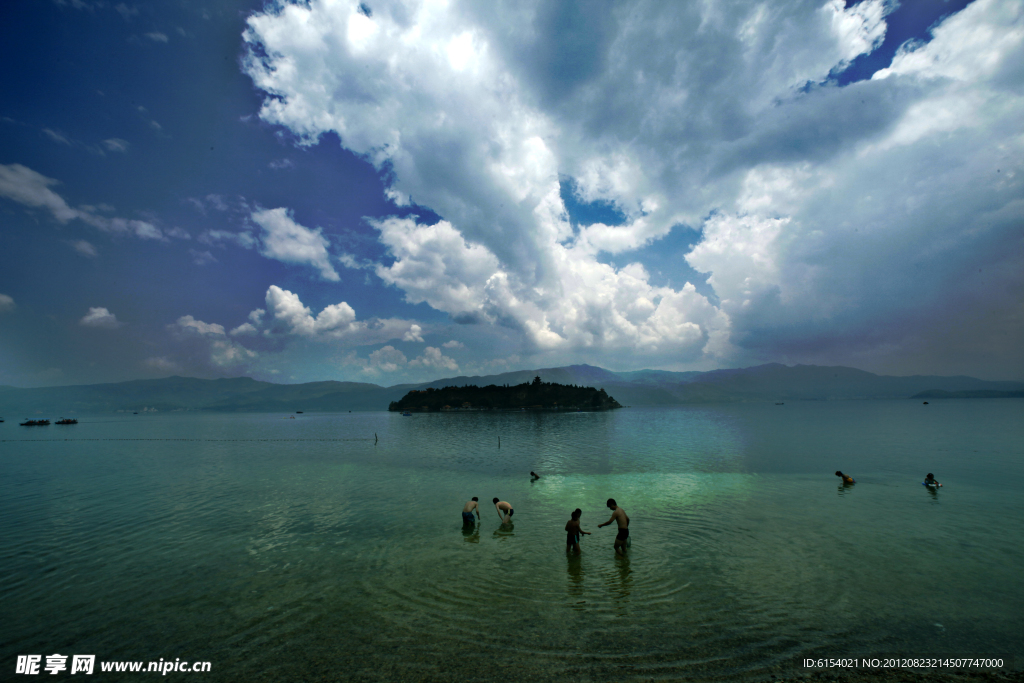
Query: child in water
<point x="847" y="479"/>
<point x="929" y="480"/>
<point x="573" y="531"/>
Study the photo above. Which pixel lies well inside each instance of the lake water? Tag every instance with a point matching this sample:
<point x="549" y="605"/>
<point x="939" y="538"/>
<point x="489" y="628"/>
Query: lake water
<point x="299" y="549"/>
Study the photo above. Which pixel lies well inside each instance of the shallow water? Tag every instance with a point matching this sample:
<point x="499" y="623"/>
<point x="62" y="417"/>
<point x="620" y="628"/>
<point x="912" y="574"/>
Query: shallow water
<point x="282" y="549"/>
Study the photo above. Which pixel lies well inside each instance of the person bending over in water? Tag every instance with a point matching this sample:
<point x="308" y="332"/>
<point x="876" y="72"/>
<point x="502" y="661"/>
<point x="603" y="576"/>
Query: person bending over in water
<point x="847" y="479"/>
<point x="534" y="476"/>
<point x="503" y="506"/>
<point x="467" y="512"/>
<point x="573" y="532"/>
<point x="622" y="519"/>
<point x="929" y="480"/>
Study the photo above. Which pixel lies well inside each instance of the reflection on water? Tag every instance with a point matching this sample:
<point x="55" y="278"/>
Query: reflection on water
<point x="506" y="530"/>
<point x="288" y="561"/>
<point x="574" y="567"/>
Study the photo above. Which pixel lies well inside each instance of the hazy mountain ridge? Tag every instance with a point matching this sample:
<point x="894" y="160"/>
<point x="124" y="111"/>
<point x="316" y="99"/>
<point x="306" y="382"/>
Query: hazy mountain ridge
<point x="771" y="382"/>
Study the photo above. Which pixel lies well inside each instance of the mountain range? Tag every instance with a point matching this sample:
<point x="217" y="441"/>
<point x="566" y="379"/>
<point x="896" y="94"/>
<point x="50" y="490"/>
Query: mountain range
<point x="771" y="382"/>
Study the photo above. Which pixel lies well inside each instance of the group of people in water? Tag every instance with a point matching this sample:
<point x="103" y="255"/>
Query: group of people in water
<point x="929" y="480"/>
<point x="574" y="532"/>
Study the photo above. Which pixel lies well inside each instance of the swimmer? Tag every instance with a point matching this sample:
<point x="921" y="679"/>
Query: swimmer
<point x="467" y="512"/>
<point x="534" y="476"/>
<point x="620" y="517"/>
<point x="929" y="480"/>
<point x="847" y="479"/>
<point x="503" y="506"/>
<point x="573" y="532"/>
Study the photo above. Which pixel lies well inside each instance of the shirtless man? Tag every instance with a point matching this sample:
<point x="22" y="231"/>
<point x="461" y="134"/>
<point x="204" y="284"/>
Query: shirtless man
<point x="467" y="512"/>
<point x="847" y="479"/>
<point x="503" y="506"/>
<point x="619" y="516"/>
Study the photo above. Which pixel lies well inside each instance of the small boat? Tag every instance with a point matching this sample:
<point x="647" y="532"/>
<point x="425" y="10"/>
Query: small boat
<point x="407" y="414"/>
<point x="298" y="412"/>
<point x="35" y="423"/>
<point x="780" y="404"/>
<point x="66" y="421"/>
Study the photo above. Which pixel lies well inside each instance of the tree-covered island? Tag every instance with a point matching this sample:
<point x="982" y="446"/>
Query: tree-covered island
<point x="536" y="395"/>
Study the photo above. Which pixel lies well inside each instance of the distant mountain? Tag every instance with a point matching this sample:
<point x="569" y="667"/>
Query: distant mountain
<point x="772" y="382"/>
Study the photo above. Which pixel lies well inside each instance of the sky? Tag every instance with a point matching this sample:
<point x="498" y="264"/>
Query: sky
<point x="394" y="191"/>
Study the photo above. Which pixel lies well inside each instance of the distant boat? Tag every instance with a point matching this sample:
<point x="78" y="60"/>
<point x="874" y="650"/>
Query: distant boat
<point x="298" y="412"/>
<point x="780" y="404"/>
<point x="407" y="414"/>
<point x="35" y="423"/>
<point x="67" y="421"/>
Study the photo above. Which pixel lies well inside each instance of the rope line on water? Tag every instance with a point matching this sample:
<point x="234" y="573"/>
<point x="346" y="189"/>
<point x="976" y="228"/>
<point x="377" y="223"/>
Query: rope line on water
<point x="211" y="440"/>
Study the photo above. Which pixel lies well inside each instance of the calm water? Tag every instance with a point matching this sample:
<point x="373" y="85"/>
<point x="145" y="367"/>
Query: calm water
<point x="283" y="549"/>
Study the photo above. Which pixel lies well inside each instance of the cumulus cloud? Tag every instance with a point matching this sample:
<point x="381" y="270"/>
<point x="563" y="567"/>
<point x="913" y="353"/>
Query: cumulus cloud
<point x="453" y="344"/>
<point x="812" y="200"/>
<point x="285" y="240"/>
<point x="386" y="359"/>
<point x="101" y="318"/>
<point x="287" y="316"/>
<point x="210" y="340"/>
<point x="189" y="325"/>
<point x="414" y="334"/>
<point x="433" y="358"/>
<point x="6" y="303"/>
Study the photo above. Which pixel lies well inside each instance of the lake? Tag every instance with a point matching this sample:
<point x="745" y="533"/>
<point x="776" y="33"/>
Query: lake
<point x="300" y="549"/>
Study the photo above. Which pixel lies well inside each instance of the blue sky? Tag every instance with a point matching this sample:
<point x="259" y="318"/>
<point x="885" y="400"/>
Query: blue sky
<point x="399" y="190"/>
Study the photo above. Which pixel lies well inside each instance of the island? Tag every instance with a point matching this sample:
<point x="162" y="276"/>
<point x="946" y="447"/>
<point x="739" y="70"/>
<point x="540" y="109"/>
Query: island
<point x="533" y="396"/>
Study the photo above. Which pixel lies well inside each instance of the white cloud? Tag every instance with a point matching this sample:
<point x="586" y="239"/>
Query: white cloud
<point x="162" y="363"/>
<point x="285" y="240"/>
<point x="812" y="200"/>
<point x="286" y="315"/>
<point x="433" y="358"/>
<point x="189" y="325"/>
<point x="157" y="37"/>
<point x="202" y="258"/>
<point x="211" y="340"/>
<point x="25" y="186"/>
<point x="56" y="137"/>
<point x="101" y="318"/>
<point x="6" y="303"/>
<point x="242" y="239"/>
<point x="414" y="334"/>
<point x="386" y="359"/>
<point x="84" y="248"/>
<point x="244" y="329"/>
<point x="179" y="233"/>
<point x="116" y="145"/>
<point x="453" y="344"/>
